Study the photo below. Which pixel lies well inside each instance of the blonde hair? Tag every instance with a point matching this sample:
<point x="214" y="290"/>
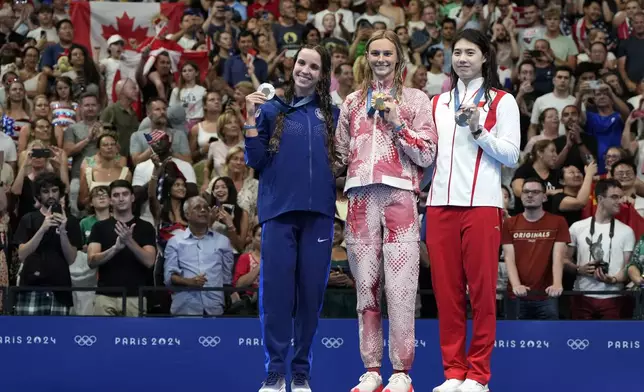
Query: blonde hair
<point x="398" y="70"/>
<point x="229" y="156"/>
<point x="222" y="120"/>
<point x="411" y="71"/>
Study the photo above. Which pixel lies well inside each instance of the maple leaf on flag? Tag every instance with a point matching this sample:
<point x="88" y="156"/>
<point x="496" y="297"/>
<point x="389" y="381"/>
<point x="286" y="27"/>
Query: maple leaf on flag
<point x="125" y="28"/>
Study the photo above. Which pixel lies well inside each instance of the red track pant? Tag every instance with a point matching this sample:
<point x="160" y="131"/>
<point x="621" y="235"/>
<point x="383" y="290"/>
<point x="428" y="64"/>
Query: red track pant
<point x="463" y="245"/>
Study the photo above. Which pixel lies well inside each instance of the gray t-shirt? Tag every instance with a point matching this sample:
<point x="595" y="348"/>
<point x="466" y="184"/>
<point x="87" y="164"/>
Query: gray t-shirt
<point x="180" y="144"/>
<point x="74" y="134"/>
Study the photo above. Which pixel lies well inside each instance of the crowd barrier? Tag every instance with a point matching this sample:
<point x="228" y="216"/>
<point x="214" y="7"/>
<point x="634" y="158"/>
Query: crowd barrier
<point x="80" y="354"/>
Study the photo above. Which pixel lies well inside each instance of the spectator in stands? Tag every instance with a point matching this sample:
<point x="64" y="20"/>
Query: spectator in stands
<point x="624" y="172"/>
<point x="80" y="142"/>
<point x="33" y="164"/>
<point x="121" y="115"/>
<point x="123" y="249"/>
<point x="17" y="108"/>
<point x="547" y="128"/>
<point x="605" y="124"/>
<point x="563" y="47"/>
<point x="340" y="304"/>
<point x="47" y="241"/>
<point x="577" y="188"/>
<point x="157" y="110"/>
<point x="344" y="76"/>
<point x="429" y="33"/>
<point x="540" y="163"/>
<point x="576" y="147"/>
<point x="160" y="144"/>
<point x="592" y="19"/>
<point x="205" y="132"/>
<point x="158" y="81"/>
<point x="635" y="267"/>
<point x="525" y="96"/>
<point x="198" y="257"/>
<point x="236" y="68"/>
<point x="372" y="14"/>
<point x="534" y="247"/>
<point x="247" y="270"/>
<point x="448" y="30"/>
<point x="229" y="136"/>
<point x="630" y="63"/>
<point x="49" y="59"/>
<point x="101" y="169"/>
<point x="559" y="98"/>
<point x="229" y="218"/>
<point x="82" y="274"/>
<point x="189" y="93"/>
<point x="603" y="246"/>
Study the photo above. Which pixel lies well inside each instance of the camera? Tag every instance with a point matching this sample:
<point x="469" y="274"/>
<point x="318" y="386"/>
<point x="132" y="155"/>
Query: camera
<point x="57" y="208"/>
<point x="40" y="153"/>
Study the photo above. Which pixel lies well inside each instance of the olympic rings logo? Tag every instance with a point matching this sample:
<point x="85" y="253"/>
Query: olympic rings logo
<point x="332" y="342"/>
<point x="85" y="340"/>
<point x="578" y="344"/>
<point x="209" y="341"/>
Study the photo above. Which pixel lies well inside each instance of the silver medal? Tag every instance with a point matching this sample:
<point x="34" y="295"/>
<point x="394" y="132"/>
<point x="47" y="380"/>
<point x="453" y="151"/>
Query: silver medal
<point x="267" y="89"/>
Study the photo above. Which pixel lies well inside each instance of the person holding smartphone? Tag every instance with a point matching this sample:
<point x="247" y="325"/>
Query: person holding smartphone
<point x="296" y="207"/>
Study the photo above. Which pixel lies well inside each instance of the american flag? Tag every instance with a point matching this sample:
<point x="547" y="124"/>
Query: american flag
<point x="155" y="136"/>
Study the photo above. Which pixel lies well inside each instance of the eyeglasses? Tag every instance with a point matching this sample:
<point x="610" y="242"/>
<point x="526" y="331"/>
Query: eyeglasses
<point x="531" y="192"/>
<point x="624" y="174"/>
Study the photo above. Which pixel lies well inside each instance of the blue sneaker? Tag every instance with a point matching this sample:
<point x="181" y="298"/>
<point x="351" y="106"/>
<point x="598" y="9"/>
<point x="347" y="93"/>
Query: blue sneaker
<point x="300" y="383"/>
<point x="274" y="383"/>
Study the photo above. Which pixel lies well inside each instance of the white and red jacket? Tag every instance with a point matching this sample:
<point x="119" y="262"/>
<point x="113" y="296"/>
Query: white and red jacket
<point x="468" y="171"/>
<point x="376" y="153"/>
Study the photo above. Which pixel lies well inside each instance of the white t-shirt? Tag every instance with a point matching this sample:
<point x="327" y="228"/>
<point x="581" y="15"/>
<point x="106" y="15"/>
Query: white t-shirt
<point x="550" y="101"/>
<point x="347" y="21"/>
<point x="623" y="242"/>
<point x="434" y="84"/>
<point x="143" y="174"/>
<point x="52" y="35"/>
<point x="9" y="147"/>
<point x="111" y="68"/>
<point x="191" y="99"/>
<point x="336" y="99"/>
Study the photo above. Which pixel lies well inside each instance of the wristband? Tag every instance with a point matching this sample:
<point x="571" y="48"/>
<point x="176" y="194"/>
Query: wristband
<point x="247" y="127"/>
<point x="477" y="132"/>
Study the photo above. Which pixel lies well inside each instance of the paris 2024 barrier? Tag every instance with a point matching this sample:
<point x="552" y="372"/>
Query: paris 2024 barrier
<point x="74" y="354"/>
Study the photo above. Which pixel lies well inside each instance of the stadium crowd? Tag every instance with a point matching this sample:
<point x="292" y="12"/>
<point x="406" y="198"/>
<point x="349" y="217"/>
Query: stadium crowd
<point x="114" y="165"/>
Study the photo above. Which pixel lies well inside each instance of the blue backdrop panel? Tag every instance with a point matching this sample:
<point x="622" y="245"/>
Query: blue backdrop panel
<point x="118" y="354"/>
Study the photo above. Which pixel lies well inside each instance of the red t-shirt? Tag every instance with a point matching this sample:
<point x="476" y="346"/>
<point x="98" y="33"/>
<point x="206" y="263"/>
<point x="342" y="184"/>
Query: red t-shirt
<point x="533" y="244"/>
<point x="271" y="6"/>
<point x="245" y="263"/>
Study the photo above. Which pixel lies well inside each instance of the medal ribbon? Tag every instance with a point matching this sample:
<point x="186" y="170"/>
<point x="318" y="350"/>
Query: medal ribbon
<point x="457" y="101"/>
<point x="371" y="110"/>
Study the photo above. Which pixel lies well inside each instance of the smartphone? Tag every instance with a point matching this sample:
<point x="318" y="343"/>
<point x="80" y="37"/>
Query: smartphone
<point x="229" y="208"/>
<point x="57" y="208"/>
<point x="40" y="153"/>
<point x="594" y="84"/>
<point x="535" y="53"/>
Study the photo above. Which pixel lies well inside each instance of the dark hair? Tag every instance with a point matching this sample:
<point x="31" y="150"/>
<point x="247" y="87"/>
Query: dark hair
<point x="28" y="48"/>
<point x="90" y="72"/>
<point x="563" y="68"/>
<point x="90" y="208"/>
<point x="526" y="62"/>
<point x="121" y="184"/>
<point x="60" y="24"/>
<point x="103" y="136"/>
<point x="323" y="98"/>
<point x="448" y="21"/>
<point x="602" y="186"/>
<point x="66" y="80"/>
<point x="153" y="100"/>
<point x="166" y="192"/>
<point x="46" y="180"/>
<point x="587" y="3"/>
<point x="88" y="95"/>
<point x="245" y="33"/>
<point x="7" y="74"/>
<point x="338" y="70"/>
<point x="536" y="181"/>
<point x="307" y="29"/>
<point x="232" y="199"/>
<point x="488" y="69"/>
<point x="197" y="76"/>
<point x="45" y="8"/>
<point x="627" y="161"/>
<point x="537" y="147"/>
<point x="432" y="52"/>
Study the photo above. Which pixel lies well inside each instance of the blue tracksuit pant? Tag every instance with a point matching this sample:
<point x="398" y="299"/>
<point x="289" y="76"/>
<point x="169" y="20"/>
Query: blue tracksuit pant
<point x="295" y="261"/>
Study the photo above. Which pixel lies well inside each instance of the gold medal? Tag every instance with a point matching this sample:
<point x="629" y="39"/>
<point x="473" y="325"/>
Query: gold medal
<point x="379" y="101"/>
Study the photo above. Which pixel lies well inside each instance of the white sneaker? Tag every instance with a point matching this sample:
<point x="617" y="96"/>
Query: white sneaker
<point x="450" y="385"/>
<point x="273" y="383"/>
<point x="369" y="382"/>
<point x="300" y="383"/>
<point x="399" y="382"/>
<point x="472" y="386"/>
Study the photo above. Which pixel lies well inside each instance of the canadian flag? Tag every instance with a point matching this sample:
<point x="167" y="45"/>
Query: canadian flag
<point x="140" y="25"/>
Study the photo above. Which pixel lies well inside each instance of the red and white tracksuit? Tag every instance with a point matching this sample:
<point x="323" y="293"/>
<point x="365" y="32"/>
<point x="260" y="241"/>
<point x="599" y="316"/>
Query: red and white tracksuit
<point x="384" y="173"/>
<point x="464" y="224"/>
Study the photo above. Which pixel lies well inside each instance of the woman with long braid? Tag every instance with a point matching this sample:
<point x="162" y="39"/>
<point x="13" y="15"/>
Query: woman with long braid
<point x="290" y="144"/>
<point x="385" y="136"/>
